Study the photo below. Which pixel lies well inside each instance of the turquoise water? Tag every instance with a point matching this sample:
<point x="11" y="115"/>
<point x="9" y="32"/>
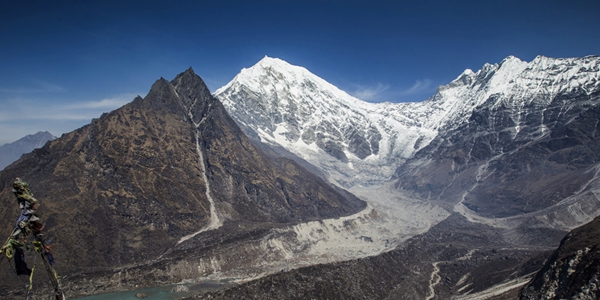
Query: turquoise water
<point x="158" y="293"/>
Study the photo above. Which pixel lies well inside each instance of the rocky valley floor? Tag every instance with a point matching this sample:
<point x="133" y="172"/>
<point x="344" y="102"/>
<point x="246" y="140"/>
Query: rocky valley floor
<point x="455" y="258"/>
<point x="395" y="248"/>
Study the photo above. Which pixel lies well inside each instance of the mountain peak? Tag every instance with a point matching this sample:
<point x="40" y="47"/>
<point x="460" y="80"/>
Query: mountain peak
<point x="186" y="77"/>
<point x="160" y="88"/>
<point x="510" y="58"/>
<point x="10" y="152"/>
<point x="278" y="64"/>
<point x="277" y="75"/>
<point x="270" y="60"/>
<point x="190" y="70"/>
<point x="465" y="78"/>
<point x="271" y="63"/>
<point x="189" y="78"/>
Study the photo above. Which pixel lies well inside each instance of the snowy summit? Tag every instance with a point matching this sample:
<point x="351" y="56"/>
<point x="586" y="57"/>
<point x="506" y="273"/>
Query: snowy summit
<point x="289" y="106"/>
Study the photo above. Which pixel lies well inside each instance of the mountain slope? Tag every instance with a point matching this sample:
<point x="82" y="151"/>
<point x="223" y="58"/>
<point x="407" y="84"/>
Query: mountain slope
<point x="465" y="258"/>
<point x="573" y="270"/>
<point x="354" y="141"/>
<point x="9" y="153"/>
<point x="147" y="180"/>
<point x="528" y="143"/>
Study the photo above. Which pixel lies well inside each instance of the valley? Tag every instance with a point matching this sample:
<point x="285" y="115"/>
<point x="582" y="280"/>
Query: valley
<point x="281" y="184"/>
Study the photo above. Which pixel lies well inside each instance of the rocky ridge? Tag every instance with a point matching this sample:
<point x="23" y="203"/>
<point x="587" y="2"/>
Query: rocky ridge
<point x="530" y="126"/>
<point x="160" y="183"/>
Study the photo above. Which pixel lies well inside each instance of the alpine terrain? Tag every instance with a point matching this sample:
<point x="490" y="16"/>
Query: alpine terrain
<point x="489" y="172"/>
<point x="464" y="195"/>
<point x="167" y="189"/>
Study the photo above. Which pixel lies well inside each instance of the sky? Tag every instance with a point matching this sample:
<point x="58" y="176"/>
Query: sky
<point x="63" y="63"/>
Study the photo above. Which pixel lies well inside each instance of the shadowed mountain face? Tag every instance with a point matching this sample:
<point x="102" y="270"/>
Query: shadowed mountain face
<point x="527" y="142"/>
<point x="500" y="171"/>
<point x="573" y="270"/>
<point x="127" y="187"/>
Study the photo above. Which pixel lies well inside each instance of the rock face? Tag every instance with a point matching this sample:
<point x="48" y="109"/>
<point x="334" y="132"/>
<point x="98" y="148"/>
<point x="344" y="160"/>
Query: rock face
<point x="9" y="153"/>
<point x="159" y="171"/>
<point x="573" y="270"/>
<point x="529" y="141"/>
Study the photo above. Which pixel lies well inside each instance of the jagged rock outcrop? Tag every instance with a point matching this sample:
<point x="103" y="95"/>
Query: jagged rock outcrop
<point x="9" y="153"/>
<point x="162" y="170"/>
<point x="573" y="270"/>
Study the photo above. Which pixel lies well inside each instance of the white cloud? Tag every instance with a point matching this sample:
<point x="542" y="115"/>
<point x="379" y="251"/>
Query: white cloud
<point x="38" y="86"/>
<point x="370" y="93"/>
<point x="420" y="86"/>
<point x="109" y="103"/>
<point x="384" y="92"/>
<point x="36" y="110"/>
<point x="20" y="116"/>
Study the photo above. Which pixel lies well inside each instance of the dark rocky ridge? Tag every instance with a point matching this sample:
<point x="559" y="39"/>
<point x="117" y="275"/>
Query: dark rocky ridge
<point x="124" y="189"/>
<point x="573" y="270"/>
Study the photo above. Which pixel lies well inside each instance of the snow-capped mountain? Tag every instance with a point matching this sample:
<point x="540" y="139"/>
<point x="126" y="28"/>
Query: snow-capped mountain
<point x="365" y="142"/>
<point x="516" y="138"/>
<point x="470" y="148"/>
<point x="513" y="84"/>
<point x="512" y="150"/>
<point x="354" y="141"/>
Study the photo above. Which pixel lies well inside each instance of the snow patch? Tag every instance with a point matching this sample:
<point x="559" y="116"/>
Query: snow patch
<point x="215" y="221"/>
<point x="498" y="289"/>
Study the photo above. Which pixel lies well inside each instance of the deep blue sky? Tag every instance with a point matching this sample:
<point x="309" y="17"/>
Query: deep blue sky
<point x="65" y="62"/>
